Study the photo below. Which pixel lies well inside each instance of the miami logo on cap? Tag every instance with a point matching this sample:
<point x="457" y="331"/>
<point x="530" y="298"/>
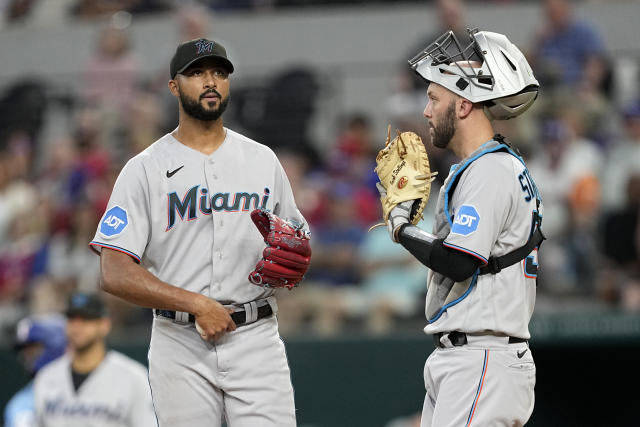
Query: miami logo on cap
<point x="204" y="46"/>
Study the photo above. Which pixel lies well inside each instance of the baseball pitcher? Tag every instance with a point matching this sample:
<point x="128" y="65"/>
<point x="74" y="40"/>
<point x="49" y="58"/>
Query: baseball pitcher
<point x="202" y="227"/>
<point x="483" y="253"/>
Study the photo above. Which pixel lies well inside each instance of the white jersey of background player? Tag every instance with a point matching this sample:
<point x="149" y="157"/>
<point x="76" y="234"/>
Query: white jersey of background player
<point x="91" y="386"/>
<point x="177" y="236"/>
<point x="482" y="372"/>
<point x="116" y="394"/>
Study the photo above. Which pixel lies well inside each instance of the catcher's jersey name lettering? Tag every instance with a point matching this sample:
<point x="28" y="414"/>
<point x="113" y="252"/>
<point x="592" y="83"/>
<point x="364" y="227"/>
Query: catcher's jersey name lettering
<point x="528" y="186"/>
<point x="191" y="203"/>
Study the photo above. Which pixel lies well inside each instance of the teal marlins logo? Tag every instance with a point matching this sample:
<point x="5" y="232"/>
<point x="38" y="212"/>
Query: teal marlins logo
<point x="192" y="203"/>
<point x="204" y="46"/>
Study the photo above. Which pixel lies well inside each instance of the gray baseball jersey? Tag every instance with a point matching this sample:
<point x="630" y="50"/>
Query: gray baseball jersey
<point x="485" y="208"/>
<point x="185" y="215"/>
<point x="116" y="393"/>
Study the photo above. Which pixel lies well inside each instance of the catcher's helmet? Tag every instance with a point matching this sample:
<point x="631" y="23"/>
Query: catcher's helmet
<point x="489" y="70"/>
<point x="48" y="330"/>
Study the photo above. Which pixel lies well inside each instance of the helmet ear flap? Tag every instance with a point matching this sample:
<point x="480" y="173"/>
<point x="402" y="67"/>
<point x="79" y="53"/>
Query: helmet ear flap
<point x="511" y="106"/>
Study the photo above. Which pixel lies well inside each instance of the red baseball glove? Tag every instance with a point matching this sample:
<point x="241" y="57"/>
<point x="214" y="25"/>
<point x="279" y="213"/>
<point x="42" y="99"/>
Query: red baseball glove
<point x="286" y="258"/>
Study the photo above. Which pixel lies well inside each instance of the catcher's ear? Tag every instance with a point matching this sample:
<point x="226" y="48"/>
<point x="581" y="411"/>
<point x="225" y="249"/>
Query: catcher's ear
<point x="463" y="107"/>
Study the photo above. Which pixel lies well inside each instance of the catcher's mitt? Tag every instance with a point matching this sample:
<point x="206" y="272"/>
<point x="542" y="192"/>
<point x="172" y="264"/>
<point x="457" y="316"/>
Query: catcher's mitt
<point x="405" y="175"/>
<point x="286" y="258"/>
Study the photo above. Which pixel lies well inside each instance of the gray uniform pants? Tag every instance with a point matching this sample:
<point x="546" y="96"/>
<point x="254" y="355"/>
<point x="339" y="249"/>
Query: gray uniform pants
<point x="243" y="377"/>
<point x="486" y="382"/>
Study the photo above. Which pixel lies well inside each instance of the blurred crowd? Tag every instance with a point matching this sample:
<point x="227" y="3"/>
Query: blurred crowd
<point x="14" y="12"/>
<point x="581" y="141"/>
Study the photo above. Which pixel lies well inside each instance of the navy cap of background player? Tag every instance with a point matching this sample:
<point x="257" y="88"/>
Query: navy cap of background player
<point x="632" y="110"/>
<point x="189" y="52"/>
<point x="553" y="130"/>
<point x="86" y="306"/>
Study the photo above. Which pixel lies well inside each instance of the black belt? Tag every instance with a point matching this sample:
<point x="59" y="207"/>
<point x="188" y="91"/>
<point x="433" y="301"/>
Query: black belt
<point x="460" y="338"/>
<point x="238" y="317"/>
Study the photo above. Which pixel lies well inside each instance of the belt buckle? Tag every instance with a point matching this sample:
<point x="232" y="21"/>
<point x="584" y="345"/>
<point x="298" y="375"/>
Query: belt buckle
<point x="250" y="309"/>
<point x="455" y="338"/>
<point x="181" y="318"/>
<point x="250" y="312"/>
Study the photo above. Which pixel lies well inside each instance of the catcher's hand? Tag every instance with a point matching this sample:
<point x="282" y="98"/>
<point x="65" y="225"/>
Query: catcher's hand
<point x="405" y="180"/>
<point x="286" y="258"/>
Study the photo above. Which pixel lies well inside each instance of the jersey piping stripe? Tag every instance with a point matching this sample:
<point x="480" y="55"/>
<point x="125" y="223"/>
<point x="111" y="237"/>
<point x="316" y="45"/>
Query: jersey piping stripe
<point x="115" y="248"/>
<point x="464" y="166"/>
<point x="480" y="384"/>
<point x="466" y="251"/>
<point x="454" y="302"/>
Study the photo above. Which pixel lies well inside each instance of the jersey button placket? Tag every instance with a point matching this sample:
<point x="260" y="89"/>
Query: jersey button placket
<point x="215" y="284"/>
<point x="213" y="175"/>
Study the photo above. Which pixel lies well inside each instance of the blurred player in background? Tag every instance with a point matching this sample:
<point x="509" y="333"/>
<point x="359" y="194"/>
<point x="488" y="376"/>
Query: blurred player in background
<point x="92" y="386"/>
<point x="39" y="340"/>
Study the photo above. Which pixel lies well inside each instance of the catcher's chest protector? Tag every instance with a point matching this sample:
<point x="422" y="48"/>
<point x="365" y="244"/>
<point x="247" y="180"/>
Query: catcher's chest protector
<point x="443" y="292"/>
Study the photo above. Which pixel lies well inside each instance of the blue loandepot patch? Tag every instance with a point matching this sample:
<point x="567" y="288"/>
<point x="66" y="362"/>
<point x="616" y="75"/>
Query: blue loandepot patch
<point x="466" y="220"/>
<point x="113" y="222"/>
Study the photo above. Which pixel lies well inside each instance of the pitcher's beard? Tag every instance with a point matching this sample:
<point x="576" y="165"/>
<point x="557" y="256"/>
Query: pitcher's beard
<point x="195" y="109"/>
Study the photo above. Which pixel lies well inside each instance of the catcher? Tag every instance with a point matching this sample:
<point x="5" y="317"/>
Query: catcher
<point x="483" y="252"/>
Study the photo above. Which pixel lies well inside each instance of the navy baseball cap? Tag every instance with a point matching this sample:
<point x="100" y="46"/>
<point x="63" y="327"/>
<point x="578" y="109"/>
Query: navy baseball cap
<point x="554" y="130"/>
<point x="87" y="306"/>
<point x="632" y="110"/>
<point x="46" y="330"/>
<point x="189" y="52"/>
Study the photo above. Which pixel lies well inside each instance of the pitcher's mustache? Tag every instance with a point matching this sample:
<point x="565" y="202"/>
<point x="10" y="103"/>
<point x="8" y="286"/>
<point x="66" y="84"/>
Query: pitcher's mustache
<point x="211" y="91"/>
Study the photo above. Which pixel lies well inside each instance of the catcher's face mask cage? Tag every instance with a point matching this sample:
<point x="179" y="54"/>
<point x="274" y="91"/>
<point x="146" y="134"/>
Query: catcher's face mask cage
<point x="489" y="69"/>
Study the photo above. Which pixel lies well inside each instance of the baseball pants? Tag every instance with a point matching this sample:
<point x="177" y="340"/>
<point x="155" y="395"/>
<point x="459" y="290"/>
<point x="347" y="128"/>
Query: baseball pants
<point x="243" y="377"/>
<point x="486" y="382"/>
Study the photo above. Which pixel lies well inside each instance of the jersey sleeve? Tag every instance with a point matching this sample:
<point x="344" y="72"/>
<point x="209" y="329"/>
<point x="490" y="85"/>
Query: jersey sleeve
<point x="285" y="204"/>
<point x="125" y="225"/>
<point x="482" y="201"/>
